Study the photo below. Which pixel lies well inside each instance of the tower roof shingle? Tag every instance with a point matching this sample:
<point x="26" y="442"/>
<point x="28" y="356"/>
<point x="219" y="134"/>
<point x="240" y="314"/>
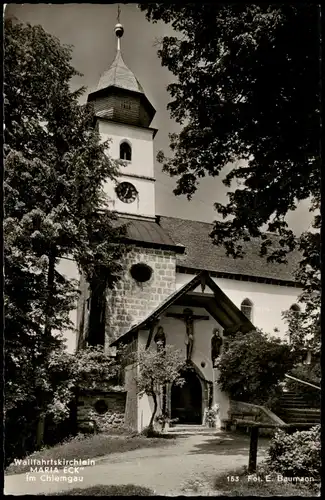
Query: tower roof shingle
<point x="119" y="75"/>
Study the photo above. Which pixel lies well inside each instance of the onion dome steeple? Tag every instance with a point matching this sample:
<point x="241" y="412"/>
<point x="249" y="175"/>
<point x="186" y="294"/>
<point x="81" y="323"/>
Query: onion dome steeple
<point x="119" y="95"/>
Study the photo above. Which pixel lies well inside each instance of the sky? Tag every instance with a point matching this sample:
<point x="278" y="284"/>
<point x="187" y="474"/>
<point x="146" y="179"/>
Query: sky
<point x="90" y="29"/>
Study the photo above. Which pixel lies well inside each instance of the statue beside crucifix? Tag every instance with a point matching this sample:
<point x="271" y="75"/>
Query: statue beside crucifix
<point x="160" y="338"/>
<point x="188" y="317"/>
<point x="216" y="343"/>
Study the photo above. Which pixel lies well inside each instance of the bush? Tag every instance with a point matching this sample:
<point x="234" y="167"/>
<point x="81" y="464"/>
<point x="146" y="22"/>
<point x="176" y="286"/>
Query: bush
<point x="122" y="490"/>
<point x="308" y="373"/>
<point x="263" y="483"/>
<point x="150" y="432"/>
<point x="252" y="366"/>
<point x="296" y="455"/>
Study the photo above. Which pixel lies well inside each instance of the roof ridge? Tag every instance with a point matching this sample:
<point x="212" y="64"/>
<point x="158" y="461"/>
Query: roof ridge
<point x="211" y="224"/>
<point x="185" y="220"/>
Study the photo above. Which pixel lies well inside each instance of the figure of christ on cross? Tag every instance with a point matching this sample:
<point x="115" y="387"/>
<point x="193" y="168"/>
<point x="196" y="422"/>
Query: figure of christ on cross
<point x="188" y="317"/>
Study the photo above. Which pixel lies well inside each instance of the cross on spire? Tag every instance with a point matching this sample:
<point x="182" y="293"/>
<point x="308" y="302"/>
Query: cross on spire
<point x="119" y="30"/>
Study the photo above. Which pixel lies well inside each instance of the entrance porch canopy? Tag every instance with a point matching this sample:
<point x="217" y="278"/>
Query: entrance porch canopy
<point x="221" y="308"/>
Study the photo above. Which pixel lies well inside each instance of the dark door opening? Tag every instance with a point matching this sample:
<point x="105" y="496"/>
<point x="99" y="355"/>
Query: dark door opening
<point x="186" y="401"/>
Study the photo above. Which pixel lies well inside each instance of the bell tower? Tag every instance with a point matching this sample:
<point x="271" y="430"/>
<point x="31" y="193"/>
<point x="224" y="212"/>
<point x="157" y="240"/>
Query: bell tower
<point x="124" y="114"/>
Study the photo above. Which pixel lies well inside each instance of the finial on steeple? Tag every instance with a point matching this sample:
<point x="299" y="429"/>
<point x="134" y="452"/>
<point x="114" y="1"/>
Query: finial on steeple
<point x="119" y="30"/>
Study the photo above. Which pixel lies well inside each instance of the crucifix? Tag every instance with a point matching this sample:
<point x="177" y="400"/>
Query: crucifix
<point x="188" y="317"/>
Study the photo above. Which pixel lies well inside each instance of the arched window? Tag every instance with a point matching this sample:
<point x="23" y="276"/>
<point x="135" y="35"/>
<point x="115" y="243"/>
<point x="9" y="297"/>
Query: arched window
<point x="125" y="151"/>
<point x="295" y="308"/>
<point x="246" y="307"/>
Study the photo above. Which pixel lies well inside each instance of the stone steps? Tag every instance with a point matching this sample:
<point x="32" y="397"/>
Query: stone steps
<point x="292" y="400"/>
<point x="293" y="404"/>
<point x="306" y="411"/>
<point x="293" y="409"/>
<point x="298" y="420"/>
<point x="301" y="415"/>
<point x="191" y="429"/>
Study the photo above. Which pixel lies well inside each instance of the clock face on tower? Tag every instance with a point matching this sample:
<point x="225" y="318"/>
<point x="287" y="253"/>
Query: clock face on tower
<point x="126" y="192"/>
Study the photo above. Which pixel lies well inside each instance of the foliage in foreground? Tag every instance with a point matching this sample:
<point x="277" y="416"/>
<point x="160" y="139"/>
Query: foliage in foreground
<point x="156" y="369"/>
<point x="239" y="100"/>
<point x="297" y="454"/>
<point x="65" y="375"/>
<point x="87" y="369"/>
<point x="247" y="485"/>
<point x="309" y="373"/>
<point x="304" y="327"/>
<point x="55" y="208"/>
<point x="252" y="365"/>
<point x="124" y="490"/>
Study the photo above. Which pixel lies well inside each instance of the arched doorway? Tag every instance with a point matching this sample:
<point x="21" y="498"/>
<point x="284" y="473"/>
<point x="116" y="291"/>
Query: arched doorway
<point x="186" y="401"/>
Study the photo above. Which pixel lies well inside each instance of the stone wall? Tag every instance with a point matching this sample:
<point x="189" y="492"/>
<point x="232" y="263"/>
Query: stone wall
<point x="88" y="417"/>
<point x="130" y="302"/>
<point x="251" y="412"/>
<point x="131" y="405"/>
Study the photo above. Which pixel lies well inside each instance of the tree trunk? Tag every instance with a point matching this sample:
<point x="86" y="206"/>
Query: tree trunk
<point x="40" y="431"/>
<point x="155" y="406"/>
<point x="164" y="405"/>
<point x="47" y="333"/>
<point x="50" y="289"/>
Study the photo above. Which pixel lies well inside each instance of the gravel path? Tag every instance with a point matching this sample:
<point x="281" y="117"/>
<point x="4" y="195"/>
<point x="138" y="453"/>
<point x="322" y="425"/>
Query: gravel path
<point x="189" y="465"/>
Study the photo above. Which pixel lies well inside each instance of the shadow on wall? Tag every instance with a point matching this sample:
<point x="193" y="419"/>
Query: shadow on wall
<point x="119" y="321"/>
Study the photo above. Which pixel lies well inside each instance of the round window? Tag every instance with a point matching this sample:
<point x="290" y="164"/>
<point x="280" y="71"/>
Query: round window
<point x="101" y="406"/>
<point x="141" y="272"/>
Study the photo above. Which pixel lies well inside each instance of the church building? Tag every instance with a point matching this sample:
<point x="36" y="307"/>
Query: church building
<point x="178" y="287"/>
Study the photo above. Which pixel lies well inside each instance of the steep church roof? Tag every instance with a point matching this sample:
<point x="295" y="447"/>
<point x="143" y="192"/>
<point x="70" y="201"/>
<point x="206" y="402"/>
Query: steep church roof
<point x="202" y="254"/>
<point x="119" y="95"/>
<point x="119" y="75"/>
<point x="195" y="250"/>
<point x="149" y="233"/>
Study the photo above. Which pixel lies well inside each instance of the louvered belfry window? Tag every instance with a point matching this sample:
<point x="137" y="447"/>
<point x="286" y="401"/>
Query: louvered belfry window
<point x="247" y="308"/>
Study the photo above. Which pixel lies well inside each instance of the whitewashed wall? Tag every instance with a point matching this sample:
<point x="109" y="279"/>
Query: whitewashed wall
<point x="175" y="332"/>
<point x="142" y="164"/>
<point x="68" y="268"/>
<point x="145" y="403"/>
<point x="269" y="301"/>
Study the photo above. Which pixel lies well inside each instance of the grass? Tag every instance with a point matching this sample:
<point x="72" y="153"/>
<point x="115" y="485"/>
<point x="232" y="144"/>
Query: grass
<point x="97" y="445"/>
<point x="99" y="490"/>
<point x="240" y="483"/>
